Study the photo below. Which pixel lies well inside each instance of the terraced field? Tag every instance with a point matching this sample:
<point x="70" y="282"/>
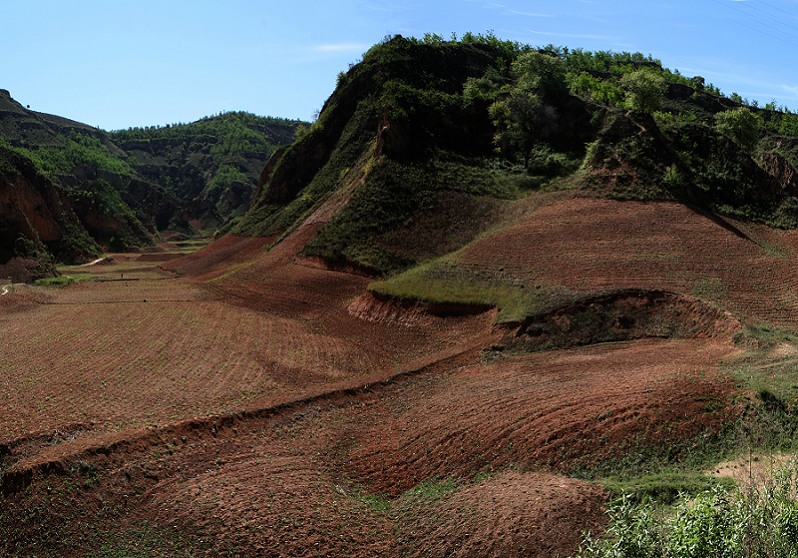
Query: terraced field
<point x="253" y="403"/>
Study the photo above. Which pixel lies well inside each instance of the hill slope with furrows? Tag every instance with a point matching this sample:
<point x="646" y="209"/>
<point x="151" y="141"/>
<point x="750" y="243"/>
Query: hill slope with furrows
<point x="489" y="292"/>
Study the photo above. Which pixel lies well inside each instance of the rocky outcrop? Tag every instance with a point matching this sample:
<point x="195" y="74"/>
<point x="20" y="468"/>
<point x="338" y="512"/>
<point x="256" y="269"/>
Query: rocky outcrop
<point x="36" y="219"/>
<point x="780" y="168"/>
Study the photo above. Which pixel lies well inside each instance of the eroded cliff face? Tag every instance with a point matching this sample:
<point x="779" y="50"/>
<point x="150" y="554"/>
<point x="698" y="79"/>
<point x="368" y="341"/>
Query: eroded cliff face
<point x="37" y="223"/>
<point x="780" y="168"/>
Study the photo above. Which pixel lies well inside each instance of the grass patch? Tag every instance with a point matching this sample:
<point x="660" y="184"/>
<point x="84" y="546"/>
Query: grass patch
<point x="429" y="491"/>
<point x="443" y="281"/>
<point x="146" y="541"/>
<point x="665" y="487"/>
<point x="769" y="367"/>
<point x="64" y="280"/>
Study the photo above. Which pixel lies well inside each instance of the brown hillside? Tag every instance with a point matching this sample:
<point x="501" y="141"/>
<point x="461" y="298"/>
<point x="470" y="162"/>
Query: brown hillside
<point x="257" y="410"/>
<point x="587" y="245"/>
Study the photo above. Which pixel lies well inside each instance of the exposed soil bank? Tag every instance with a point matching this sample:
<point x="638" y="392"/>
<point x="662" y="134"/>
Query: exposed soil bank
<point x="622" y="315"/>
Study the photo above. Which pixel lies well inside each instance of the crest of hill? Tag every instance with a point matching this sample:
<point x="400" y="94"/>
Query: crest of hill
<point x="209" y="166"/>
<point x="425" y="143"/>
<point x="128" y="186"/>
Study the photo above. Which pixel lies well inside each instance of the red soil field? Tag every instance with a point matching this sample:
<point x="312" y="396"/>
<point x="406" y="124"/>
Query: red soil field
<point x="145" y="351"/>
<point x="558" y="411"/>
<point x="249" y="401"/>
<point x="588" y="244"/>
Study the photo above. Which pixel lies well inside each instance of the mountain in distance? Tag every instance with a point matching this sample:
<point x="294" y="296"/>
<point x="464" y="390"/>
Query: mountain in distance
<point x="188" y="178"/>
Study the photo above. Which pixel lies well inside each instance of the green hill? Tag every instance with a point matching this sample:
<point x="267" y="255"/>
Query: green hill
<point x="209" y="166"/>
<point x="425" y="140"/>
<point x="129" y="186"/>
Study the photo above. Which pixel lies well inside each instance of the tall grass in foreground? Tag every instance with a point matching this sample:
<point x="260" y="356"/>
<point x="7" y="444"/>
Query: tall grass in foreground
<point x="751" y="521"/>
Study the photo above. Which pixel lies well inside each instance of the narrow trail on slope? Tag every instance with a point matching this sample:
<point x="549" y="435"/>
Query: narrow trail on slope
<point x="95" y="262"/>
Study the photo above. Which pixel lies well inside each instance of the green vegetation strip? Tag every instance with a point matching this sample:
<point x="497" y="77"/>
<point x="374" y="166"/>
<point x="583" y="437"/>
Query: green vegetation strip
<point x="443" y="281"/>
<point x="64" y="280"/>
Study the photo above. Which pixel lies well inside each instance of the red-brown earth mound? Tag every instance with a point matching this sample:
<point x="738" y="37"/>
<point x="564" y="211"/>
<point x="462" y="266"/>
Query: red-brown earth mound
<point x="510" y="515"/>
<point x="373" y="410"/>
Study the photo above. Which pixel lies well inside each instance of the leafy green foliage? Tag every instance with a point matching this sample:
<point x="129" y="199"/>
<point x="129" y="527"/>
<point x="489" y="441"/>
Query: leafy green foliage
<point x="645" y="90"/>
<point x="391" y="197"/>
<point x="540" y="73"/>
<point x="210" y="166"/>
<point x="521" y="109"/>
<point x="231" y="128"/>
<point x="79" y="150"/>
<point x="752" y="522"/>
<point x="741" y="125"/>
<point x="542" y="110"/>
<point x="596" y="89"/>
<point x="124" y="232"/>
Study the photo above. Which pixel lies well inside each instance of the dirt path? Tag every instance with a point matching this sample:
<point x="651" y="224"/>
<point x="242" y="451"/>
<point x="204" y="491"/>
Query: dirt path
<point x="95" y="262"/>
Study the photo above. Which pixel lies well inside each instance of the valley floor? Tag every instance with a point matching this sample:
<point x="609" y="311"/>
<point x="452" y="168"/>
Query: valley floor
<point x="248" y="402"/>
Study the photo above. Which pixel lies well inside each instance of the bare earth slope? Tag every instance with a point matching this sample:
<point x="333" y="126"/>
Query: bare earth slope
<point x="588" y="244"/>
<point x="257" y="414"/>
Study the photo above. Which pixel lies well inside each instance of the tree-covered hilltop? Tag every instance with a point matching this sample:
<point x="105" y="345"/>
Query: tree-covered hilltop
<point x="128" y="187"/>
<point x="210" y="165"/>
<point x="425" y="138"/>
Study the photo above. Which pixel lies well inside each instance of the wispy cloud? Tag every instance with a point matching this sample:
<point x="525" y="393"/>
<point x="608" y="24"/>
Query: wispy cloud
<point x="529" y="14"/>
<point x="793" y="89"/>
<point x="576" y="36"/>
<point x="340" y="47"/>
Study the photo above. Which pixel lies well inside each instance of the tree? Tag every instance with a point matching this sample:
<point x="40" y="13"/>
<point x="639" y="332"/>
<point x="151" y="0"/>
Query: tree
<point x="645" y="90"/>
<point x="741" y="125"/>
<point x="698" y="82"/>
<point x="541" y="74"/>
<point x="523" y="112"/>
<point x="520" y="119"/>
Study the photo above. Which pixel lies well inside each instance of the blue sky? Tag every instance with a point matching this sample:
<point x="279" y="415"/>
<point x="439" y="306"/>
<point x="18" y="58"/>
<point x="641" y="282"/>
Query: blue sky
<point x="121" y="63"/>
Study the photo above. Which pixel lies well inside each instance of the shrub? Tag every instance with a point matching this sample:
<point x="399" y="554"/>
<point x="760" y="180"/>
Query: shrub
<point x="753" y="521"/>
<point x="644" y="90"/>
<point x="741" y="125"/>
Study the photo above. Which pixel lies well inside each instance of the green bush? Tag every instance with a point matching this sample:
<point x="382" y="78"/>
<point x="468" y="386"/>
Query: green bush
<point x="752" y="521"/>
<point x="741" y="125"/>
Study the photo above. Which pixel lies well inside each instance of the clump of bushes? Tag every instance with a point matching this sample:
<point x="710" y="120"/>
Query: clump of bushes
<point x="752" y="521"/>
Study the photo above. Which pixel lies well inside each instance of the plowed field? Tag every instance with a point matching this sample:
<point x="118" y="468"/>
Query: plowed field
<point x="589" y="244"/>
<point x="247" y="402"/>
